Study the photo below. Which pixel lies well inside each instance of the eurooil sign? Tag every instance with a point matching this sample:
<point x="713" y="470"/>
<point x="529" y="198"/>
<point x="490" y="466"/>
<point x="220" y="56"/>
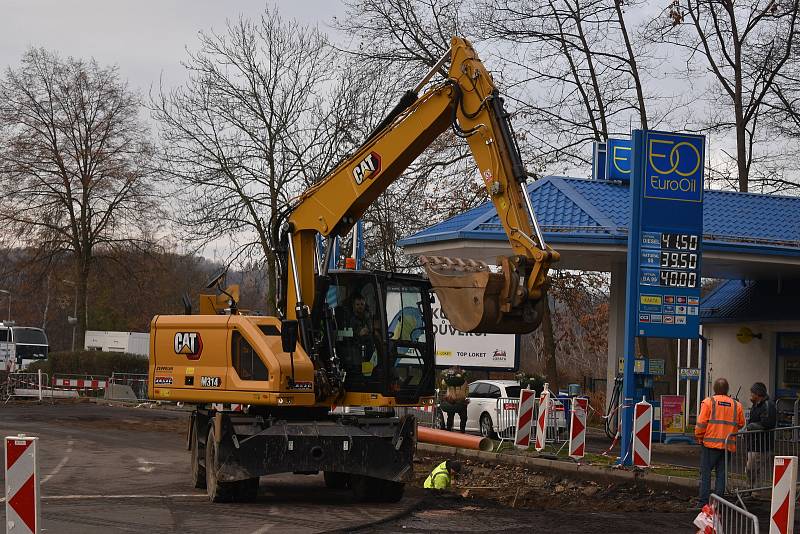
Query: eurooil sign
<point x="667" y="233"/>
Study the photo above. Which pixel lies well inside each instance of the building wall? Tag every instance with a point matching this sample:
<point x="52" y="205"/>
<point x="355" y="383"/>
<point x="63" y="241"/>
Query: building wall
<point x="744" y="363"/>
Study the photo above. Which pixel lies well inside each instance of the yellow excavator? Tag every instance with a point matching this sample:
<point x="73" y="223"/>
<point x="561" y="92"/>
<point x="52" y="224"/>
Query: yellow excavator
<point x="265" y="388"/>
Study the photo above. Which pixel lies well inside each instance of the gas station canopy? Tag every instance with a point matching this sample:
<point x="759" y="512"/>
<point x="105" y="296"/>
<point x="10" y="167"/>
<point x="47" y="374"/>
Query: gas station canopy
<point x="746" y="235"/>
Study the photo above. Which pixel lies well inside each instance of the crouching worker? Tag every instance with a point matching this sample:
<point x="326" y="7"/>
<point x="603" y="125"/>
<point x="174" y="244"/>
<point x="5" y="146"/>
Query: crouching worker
<point x="442" y="475"/>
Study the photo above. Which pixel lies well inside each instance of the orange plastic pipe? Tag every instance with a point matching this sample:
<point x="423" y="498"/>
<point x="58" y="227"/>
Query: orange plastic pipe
<point x="453" y="439"/>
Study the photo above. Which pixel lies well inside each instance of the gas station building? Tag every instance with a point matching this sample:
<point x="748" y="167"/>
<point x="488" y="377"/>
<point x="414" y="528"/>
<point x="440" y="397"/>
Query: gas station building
<point x="750" y="323"/>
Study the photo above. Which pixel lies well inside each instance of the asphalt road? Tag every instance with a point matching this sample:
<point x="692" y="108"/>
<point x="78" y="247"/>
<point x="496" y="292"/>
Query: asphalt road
<point x="115" y="469"/>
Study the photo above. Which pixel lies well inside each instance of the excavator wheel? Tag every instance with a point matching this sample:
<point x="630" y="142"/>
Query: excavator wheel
<point x="224" y="491"/>
<point x="198" y="471"/>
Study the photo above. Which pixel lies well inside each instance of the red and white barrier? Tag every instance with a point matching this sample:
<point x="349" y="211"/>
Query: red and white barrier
<point x="527" y="402"/>
<point x="577" y="427"/>
<point x="22" y="485"/>
<point x="541" y="420"/>
<point x="80" y="383"/>
<point x="642" y="433"/>
<point x="784" y="482"/>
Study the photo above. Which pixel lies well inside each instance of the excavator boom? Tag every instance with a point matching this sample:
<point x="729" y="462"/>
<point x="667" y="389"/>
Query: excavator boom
<point x="475" y="297"/>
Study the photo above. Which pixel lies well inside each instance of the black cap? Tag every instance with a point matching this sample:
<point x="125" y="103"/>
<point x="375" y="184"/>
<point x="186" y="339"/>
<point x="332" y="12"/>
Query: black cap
<point x="454" y="465"/>
<point x="759" y="389"/>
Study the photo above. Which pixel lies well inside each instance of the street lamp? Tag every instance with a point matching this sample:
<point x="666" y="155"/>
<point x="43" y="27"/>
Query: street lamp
<point x="74" y="319"/>
<point x="7" y="292"/>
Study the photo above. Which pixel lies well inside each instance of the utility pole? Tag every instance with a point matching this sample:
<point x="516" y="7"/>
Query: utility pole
<point x="74" y="319"/>
<point x="7" y="292"/>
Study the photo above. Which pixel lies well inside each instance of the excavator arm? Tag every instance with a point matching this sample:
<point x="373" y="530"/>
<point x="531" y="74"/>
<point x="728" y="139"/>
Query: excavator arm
<point x="474" y="296"/>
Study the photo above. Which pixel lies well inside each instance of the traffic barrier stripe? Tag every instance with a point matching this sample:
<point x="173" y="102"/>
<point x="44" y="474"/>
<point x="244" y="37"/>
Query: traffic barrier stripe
<point x="541" y="421"/>
<point x="642" y="434"/>
<point x="577" y="433"/>
<point x="22" y="485"/>
<point x="781" y="514"/>
<point x="80" y="383"/>
<point x="524" y="418"/>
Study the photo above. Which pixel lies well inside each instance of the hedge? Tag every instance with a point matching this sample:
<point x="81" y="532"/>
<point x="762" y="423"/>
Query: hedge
<point x="91" y="362"/>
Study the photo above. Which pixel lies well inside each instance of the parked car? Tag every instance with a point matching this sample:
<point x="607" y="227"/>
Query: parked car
<point x="490" y="418"/>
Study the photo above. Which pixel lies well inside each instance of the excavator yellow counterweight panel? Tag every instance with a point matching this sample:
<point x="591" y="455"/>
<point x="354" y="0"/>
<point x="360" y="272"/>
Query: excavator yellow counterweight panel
<point x="226" y="359"/>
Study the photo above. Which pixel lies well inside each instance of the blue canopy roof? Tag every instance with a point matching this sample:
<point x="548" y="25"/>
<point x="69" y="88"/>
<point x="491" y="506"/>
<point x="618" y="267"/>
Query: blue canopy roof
<point x="593" y="211"/>
<point x="751" y="300"/>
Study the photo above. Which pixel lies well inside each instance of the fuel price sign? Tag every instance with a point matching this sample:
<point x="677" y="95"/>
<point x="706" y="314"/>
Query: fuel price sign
<point x="665" y="246"/>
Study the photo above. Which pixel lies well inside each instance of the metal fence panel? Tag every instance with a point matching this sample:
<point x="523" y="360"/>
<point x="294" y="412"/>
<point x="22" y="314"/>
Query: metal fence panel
<point x="28" y="385"/>
<point x="749" y="469"/>
<point x="730" y="519"/>
<point x="506" y="412"/>
<point x="137" y="383"/>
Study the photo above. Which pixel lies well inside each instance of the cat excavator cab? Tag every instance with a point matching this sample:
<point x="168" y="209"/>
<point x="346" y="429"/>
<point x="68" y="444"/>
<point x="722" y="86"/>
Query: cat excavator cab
<point x="265" y="388"/>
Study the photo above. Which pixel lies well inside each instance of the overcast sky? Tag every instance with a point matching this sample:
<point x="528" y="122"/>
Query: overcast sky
<point x="143" y="37"/>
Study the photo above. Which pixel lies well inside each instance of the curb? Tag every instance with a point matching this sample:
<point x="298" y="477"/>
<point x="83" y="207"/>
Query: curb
<point x="585" y="472"/>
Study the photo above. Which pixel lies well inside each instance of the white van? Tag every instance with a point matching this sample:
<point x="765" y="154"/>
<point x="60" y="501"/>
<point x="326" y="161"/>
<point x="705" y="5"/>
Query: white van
<point x="21" y="345"/>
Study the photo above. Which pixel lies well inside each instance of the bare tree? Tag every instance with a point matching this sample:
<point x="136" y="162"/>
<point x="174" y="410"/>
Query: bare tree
<point x="574" y="68"/>
<point x="74" y="162"/>
<point x="269" y="108"/>
<point x="745" y="47"/>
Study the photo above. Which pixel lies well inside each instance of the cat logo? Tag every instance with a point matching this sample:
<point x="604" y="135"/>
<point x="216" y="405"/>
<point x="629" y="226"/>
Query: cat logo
<point x="369" y="167"/>
<point x="188" y="343"/>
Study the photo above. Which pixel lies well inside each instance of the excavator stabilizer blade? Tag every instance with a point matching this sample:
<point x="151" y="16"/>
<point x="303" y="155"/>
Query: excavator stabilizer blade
<point x="474" y="298"/>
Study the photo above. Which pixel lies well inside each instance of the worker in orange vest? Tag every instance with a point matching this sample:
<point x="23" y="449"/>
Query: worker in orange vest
<point x="720" y="416"/>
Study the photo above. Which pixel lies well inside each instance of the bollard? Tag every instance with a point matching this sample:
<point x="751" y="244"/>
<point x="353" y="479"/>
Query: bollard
<point x="39" y="383"/>
<point x="22" y="485"/>
<point x="527" y="398"/>
<point x="577" y="427"/>
<point x="541" y="420"/>
<point x="784" y="480"/>
<point x="642" y="433"/>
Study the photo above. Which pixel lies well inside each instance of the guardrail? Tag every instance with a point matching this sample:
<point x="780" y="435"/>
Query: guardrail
<point x="731" y="519"/>
<point x="749" y="469"/>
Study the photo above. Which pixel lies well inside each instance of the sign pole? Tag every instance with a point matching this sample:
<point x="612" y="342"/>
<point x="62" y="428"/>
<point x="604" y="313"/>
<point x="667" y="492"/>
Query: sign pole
<point x="631" y="295"/>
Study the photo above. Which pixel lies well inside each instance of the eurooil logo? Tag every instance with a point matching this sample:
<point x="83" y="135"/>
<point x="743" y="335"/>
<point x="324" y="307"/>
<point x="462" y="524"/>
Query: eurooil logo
<point x="369" y="167"/>
<point x="674" y="167"/>
<point x="189" y="343"/>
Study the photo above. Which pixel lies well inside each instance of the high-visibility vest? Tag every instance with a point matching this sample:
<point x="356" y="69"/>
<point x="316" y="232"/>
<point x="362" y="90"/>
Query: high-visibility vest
<point x="720" y="416"/>
<point x="439" y="477"/>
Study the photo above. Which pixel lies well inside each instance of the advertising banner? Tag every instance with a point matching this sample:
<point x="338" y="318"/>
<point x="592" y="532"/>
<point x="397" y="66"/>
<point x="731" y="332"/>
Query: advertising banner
<point x="497" y="352"/>
<point x="673" y="416"/>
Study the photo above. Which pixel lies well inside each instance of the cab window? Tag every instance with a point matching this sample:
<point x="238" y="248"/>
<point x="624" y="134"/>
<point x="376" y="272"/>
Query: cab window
<point x="245" y="360"/>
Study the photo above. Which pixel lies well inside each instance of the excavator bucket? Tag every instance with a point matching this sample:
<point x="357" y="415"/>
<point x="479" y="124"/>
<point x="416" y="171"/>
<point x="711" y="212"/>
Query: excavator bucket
<point x="477" y="299"/>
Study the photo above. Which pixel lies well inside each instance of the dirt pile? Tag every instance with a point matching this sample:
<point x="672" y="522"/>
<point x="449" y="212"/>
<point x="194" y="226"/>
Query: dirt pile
<point x="524" y="488"/>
